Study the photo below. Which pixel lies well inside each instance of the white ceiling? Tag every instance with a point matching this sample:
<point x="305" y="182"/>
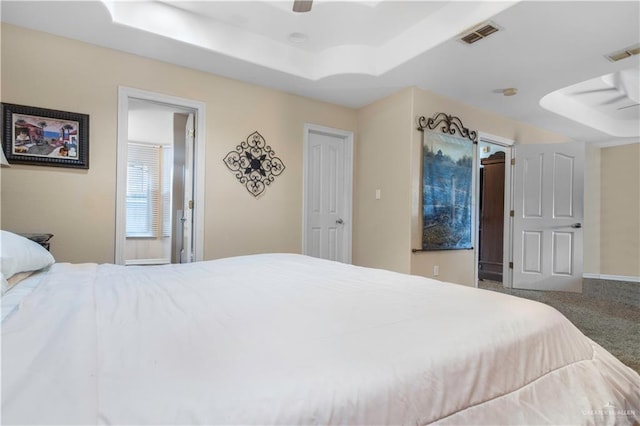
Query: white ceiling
<point x="357" y="52"/>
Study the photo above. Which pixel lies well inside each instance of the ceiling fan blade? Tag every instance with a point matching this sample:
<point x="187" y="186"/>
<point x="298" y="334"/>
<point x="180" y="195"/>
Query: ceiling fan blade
<point x="628" y="106"/>
<point x="302" y="5"/>
<point x="614" y="100"/>
<point x="584" y="92"/>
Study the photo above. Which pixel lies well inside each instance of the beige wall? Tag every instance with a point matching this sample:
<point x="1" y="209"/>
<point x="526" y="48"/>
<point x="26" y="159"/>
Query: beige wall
<point x="388" y="153"/>
<point x="620" y="211"/>
<point x="78" y="206"/>
<point x="458" y="266"/>
<point x="382" y="228"/>
<point x="592" y="172"/>
<point x="612" y="190"/>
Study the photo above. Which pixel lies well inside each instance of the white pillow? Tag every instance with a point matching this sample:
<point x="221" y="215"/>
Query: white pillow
<point x="20" y="254"/>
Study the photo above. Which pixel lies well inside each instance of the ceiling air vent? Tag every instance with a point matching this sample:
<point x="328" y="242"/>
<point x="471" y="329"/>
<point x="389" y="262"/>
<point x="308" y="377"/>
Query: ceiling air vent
<point x="625" y="53"/>
<point x="479" y="32"/>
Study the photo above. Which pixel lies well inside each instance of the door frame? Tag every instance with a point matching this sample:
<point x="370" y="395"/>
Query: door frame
<point x="199" y="108"/>
<point x="507" y="244"/>
<point x="347" y="137"/>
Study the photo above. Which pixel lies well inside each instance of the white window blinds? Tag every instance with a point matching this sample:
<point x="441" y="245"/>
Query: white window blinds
<point x="148" y="190"/>
<point x="166" y="178"/>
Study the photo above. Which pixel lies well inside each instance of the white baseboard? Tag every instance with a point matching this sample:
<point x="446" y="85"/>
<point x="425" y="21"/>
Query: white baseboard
<point x="147" y="262"/>
<point x="626" y="278"/>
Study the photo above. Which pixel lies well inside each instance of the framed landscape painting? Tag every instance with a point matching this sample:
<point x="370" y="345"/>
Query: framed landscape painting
<point x="45" y="137"/>
<point x="447" y="190"/>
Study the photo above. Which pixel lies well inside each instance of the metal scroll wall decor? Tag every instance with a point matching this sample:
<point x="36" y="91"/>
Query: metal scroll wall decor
<point x="447" y="176"/>
<point x="254" y="164"/>
<point x="450" y="124"/>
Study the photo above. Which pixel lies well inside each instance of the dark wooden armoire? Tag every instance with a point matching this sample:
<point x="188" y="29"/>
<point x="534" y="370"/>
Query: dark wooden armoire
<point x="491" y="226"/>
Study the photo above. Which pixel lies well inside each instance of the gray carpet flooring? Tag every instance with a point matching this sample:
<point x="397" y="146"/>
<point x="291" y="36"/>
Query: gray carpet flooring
<point x="614" y="326"/>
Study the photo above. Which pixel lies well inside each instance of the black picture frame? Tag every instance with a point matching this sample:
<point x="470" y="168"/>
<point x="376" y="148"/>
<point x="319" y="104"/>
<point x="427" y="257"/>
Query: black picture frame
<point x="45" y="137"/>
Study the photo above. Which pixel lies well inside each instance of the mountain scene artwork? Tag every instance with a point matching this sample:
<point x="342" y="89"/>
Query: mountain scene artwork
<point x="447" y="172"/>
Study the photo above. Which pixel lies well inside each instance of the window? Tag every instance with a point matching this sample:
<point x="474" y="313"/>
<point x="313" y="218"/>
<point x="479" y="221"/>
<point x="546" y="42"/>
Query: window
<point x="166" y="185"/>
<point x="148" y="191"/>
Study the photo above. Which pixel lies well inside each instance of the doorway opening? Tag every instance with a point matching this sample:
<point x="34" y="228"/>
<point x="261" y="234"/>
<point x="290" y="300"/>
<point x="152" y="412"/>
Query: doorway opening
<point x="493" y="226"/>
<point x="159" y="179"/>
<point x="491" y="212"/>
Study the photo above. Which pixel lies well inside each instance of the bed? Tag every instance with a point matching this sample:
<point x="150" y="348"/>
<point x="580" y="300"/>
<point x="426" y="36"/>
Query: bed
<point x="289" y="339"/>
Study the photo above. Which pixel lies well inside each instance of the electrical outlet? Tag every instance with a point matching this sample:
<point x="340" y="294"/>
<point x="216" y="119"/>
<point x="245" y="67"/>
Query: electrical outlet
<point x="436" y="270"/>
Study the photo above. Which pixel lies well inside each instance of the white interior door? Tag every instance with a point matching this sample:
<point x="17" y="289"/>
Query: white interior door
<point x="548" y="216"/>
<point x="186" y="254"/>
<point x="328" y="191"/>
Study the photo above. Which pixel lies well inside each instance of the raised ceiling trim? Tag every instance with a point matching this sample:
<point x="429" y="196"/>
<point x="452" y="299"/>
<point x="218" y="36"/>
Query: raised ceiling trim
<point x="619" y="88"/>
<point x="167" y="21"/>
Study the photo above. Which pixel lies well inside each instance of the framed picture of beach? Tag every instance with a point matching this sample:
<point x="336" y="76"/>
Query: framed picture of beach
<point x="45" y="137"/>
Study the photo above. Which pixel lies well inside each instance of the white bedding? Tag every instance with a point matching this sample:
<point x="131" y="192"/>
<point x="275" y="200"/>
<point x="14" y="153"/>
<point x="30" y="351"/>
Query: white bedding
<point x="11" y="299"/>
<point x="288" y="339"/>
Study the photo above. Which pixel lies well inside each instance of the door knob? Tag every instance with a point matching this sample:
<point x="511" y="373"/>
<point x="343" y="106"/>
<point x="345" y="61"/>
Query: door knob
<point x="339" y="221"/>
<point x="577" y="225"/>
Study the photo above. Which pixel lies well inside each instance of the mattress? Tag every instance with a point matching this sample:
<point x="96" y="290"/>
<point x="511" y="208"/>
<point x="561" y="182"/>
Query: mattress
<point x="289" y="339"/>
